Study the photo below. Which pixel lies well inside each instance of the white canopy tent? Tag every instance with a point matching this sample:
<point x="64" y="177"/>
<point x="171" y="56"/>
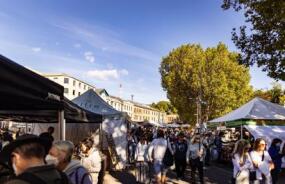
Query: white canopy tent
<point x="256" y="109"/>
<point x="267" y="132"/>
<point x="114" y="122"/>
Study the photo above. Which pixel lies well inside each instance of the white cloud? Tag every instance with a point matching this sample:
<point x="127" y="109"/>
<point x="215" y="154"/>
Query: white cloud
<point x="107" y="74"/>
<point x="89" y="56"/>
<point x="77" y="45"/>
<point x="106" y="40"/>
<point x="124" y="72"/>
<point x="36" y="49"/>
<point x="104" y="74"/>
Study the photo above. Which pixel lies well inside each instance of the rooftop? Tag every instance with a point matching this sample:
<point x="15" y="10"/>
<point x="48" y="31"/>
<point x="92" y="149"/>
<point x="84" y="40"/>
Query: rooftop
<point x="64" y="75"/>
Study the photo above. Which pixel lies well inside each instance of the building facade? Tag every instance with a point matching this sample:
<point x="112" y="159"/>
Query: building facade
<point x="72" y="87"/>
<point x="171" y="118"/>
<point x="137" y="112"/>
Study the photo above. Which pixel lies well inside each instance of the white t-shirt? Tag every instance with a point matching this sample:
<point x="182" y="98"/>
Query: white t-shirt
<point x="263" y="165"/>
<point x="140" y="152"/>
<point x="193" y="149"/>
<point x="157" y="149"/>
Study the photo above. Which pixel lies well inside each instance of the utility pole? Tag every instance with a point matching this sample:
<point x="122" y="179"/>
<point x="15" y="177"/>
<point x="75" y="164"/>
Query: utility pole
<point x="197" y="113"/>
<point x="132" y="97"/>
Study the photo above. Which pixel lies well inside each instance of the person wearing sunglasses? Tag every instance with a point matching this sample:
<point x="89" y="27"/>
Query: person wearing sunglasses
<point x="262" y="162"/>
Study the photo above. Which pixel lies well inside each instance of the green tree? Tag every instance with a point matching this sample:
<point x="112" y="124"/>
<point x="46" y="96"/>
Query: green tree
<point x="274" y="95"/>
<point x="262" y="41"/>
<point x="213" y="75"/>
<point x="165" y="106"/>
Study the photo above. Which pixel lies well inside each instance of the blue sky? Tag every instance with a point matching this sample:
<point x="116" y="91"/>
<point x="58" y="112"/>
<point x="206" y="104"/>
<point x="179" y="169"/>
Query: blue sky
<point x="113" y="42"/>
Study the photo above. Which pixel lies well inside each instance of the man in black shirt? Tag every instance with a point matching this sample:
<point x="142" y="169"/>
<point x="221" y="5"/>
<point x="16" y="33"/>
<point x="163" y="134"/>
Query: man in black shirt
<point x="181" y="147"/>
<point x="48" y="135"/>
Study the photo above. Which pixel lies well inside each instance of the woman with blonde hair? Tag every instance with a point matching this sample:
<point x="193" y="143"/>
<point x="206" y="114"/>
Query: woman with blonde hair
<point x="241" y="162"/>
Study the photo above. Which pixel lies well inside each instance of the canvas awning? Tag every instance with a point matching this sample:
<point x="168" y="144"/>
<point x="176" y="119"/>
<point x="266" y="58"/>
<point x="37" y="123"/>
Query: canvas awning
<point x="256" y="109"/>
<point x="267" y="132"/>
<point x="91" y="101"/>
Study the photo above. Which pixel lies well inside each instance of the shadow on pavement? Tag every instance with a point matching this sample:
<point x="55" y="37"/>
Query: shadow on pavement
<point x="123" y="177"/>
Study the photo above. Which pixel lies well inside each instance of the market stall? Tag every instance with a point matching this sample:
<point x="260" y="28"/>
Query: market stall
<point x="259" y="117"/>
<point x="114" y="125"/>
<point x="26" y="96"/>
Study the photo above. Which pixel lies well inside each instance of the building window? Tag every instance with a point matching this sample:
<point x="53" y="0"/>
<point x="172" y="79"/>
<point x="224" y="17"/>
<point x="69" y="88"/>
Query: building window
<point x="74" y="82"/>
<point x="73" y="92"/>
<point x="55" y="78"/>
<point x="65" y="90"/>
<point x="78" y="93"/>
<point x="65" y="80"/>
<point x="84" y="87"/>
<point x="79" y="85"/>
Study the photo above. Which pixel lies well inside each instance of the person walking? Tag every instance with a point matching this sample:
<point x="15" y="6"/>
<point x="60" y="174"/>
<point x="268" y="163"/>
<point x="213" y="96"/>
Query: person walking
<point x="241" y="162"/>
<point x="195" y="156"/>
<point x="132" y="143"/>
<point x="219" y="145"/>
<point x="141" y="164"/>
<point x="180" y="150"/>
<point x="26" y="156"/>
<point x="90" y="158"/>
<point x="276" y="156"/>
<point x="156" y="152"/>
<point x="262" y="162"/>
<point x="61" y="156"/>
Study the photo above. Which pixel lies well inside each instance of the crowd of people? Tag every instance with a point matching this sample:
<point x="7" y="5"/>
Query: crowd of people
<point x="27" y="158"/>
<point x="30" y="159"/>
<point x="155" y="151"/>
<point x="256" y="164"/>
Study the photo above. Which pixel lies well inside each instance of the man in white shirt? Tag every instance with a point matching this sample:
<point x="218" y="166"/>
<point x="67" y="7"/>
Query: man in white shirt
<point x="156" y="152"/>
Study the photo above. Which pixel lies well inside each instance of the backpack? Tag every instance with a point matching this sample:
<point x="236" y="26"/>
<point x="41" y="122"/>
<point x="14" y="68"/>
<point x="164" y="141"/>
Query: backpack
<point x="32" y="178"/>
<point x="168" y="157"/>
<point x="181" y="149"/>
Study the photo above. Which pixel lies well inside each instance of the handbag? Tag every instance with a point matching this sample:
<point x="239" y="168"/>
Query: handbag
<point x="252" y="175"/>
<point x="242" y="177"/>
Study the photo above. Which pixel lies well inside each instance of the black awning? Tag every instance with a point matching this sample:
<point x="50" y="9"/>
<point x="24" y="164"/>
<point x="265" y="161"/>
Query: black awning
<point x="26" y="96"/>
<point x="22" y="89"/>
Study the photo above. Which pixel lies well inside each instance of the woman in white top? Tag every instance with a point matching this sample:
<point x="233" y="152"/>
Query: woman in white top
<point x="141" y="150"/>
<point x="91" y="159"/>
<point x="141" y="170"/>
<point x="241" y="163"/>
<point x="262" y="162"/>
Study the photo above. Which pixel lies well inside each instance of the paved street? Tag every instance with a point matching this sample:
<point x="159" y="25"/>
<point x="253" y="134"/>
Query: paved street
<point x="213" y="175"/>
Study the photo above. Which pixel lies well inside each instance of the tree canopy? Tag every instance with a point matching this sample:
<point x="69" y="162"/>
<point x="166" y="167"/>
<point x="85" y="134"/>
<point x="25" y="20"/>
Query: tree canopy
<point x="212" y="75"/>
<point x="262" y="41"/>
<point x="165" y="106"/>
<point x="274" y="95"/>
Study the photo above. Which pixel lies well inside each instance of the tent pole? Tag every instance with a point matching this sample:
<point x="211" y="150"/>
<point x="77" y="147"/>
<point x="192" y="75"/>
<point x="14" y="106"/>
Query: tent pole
<point x="241" y="132"/>
<point x="61" y="125"/>
<point x="26" y="127"/>
<point x="101" y="136"/>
